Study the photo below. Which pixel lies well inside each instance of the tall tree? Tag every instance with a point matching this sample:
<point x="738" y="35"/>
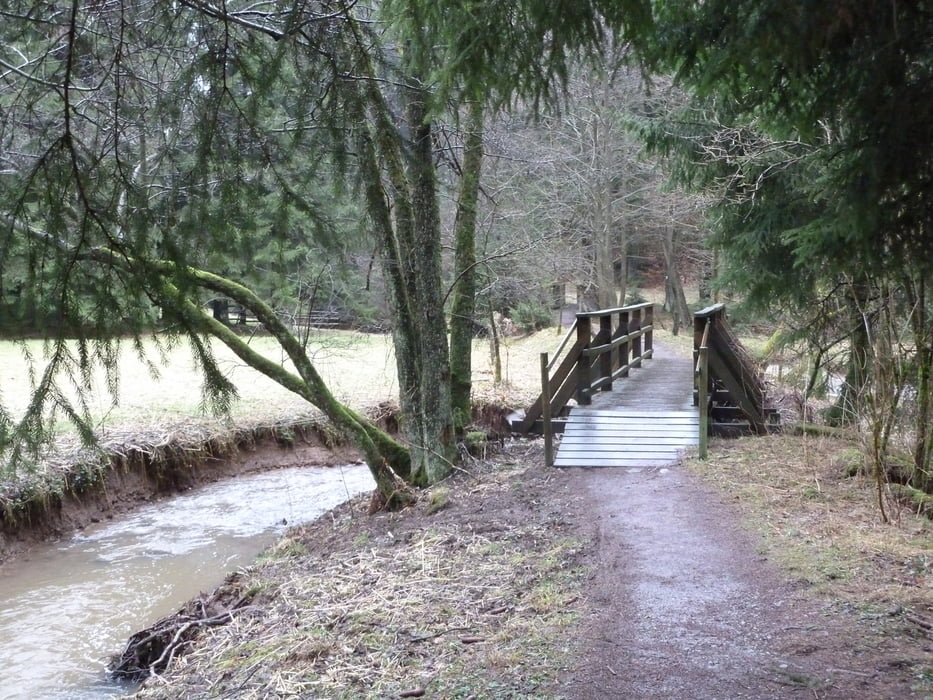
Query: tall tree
<point x="463" y="293"/>
<point x="817" y="138"/>
<point x="138" y="139"/>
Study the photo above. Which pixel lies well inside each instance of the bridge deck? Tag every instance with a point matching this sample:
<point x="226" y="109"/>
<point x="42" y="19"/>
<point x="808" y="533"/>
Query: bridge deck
<point x="648" y="419"/>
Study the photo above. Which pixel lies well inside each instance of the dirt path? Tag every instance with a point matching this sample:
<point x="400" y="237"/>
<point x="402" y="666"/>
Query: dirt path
<point x="687" y="608"/>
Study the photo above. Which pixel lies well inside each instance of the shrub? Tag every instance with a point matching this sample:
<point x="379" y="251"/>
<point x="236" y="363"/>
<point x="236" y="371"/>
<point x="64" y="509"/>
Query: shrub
<point x="530" y="316"/>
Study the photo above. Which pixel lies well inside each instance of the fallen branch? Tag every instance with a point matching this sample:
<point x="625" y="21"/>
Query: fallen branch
<point x="151" y="651"/>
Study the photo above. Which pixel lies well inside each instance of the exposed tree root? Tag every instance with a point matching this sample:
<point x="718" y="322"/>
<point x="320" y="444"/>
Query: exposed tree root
<point x="151" y="651"/>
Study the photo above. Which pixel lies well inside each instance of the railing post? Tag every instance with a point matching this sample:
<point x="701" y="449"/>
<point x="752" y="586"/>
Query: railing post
<point x="624" y="347"/>
<point x="699" y="325"/>
<point x="636" y="341"/>
<point x="702" y="378"/>
<point x="649" y="334"/>
<point x="605" y="360"/>
<point x="584" y="338"/>
<point x="546" y="412"/>
<point x="704" y="402"/>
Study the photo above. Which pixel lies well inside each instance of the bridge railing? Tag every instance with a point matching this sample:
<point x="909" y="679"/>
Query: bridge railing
<point x="598" y="349"/>
<point x="730" y="392"/>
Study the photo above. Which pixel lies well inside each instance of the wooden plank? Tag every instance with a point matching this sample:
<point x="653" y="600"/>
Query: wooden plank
<point x="630" y="413"/>
<point x="608" y="460"/>
<point x="602" y="423"/>
<point x="661" y="439"/>
<point x="618" y="462"/>
<point x="645" y="429"/>
<point x="605" y="422"/>
<point x="574" y="443"/>
<point x="624" y="447"/>
<point x="609" y="427"/>
<point x="629" y="443"/>
<point x="643" y="418"/>
<point x="632" y="427"/>
<point x="611" y="452"/>
<point x="630" y="451"/>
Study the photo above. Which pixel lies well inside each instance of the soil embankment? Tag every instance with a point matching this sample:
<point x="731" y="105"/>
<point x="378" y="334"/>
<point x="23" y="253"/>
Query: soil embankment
<point x="140" y="476"/>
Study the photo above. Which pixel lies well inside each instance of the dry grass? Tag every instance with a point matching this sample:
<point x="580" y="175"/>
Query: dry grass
<point x="824" y="527"/>
<point x="360" y="369"/>
<point x="452" y="604"/>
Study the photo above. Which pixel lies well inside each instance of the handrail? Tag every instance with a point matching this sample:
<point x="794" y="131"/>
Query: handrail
<point x="613" y="349"/>
<point x="710" y="311"/>
<point x="597" y="350"/>
<point x="739" y="391"/>
<point x="591" y="356"/>
<point x="617" y="309"/>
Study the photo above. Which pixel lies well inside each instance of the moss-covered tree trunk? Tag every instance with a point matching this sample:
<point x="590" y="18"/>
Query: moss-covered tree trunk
<point x="463" y="298"/>
<point x="396" y="163"/>
<point x="431" y="438"/>
<point x="388" y="461"/>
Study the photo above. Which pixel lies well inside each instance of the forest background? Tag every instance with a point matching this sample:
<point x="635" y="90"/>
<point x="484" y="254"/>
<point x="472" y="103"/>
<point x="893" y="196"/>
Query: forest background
<point x="426" y="170"/>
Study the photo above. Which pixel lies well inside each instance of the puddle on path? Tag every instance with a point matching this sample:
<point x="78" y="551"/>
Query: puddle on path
<point x="68" y="606"/>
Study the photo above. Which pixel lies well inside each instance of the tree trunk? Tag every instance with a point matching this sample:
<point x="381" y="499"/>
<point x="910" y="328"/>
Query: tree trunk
<point x="923" y="340"/>
<point x="401" y="195"/>
<point x="621" y="280"/>
<point x="463" y="303"/>
<point x="677" y="299"/>
<point x="432" y="443"/>
<point x="846" y="408"/>
<point x="494" y="347"/>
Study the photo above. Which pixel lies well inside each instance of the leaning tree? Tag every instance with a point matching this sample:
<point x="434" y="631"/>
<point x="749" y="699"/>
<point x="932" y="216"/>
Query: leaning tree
<point x="140" y="139"/>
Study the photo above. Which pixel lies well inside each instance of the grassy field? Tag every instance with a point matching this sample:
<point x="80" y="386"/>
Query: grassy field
<point x="359" y="368"/>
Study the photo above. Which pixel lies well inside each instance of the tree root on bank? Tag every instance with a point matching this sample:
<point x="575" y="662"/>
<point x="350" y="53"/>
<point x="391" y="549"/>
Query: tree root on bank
<point x="151" y="651"/>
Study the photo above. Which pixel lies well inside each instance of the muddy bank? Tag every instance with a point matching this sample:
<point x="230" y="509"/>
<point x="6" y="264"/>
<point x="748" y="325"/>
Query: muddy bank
<point x="148" y="467"/>
<point x="471" y="592"/>
<point x="138" y="474"/>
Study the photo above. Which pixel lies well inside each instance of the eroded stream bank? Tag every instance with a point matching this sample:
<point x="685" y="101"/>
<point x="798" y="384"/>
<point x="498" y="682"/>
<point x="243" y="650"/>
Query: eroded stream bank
<point x="65" y="607"/>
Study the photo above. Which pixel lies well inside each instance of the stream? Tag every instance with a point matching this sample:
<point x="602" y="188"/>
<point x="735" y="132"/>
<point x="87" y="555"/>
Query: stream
<point x="66" y="607"/>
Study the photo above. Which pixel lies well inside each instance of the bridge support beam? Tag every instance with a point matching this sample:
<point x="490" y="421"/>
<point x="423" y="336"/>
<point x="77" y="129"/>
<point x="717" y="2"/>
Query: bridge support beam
<point x="624" y="348"/>
<point x="605" y="360"/>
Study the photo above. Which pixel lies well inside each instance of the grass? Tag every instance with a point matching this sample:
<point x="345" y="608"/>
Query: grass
<point x="823" y="526"/>
<point x="448" y="606"/>
<point x="155" y="413"/>
<point x="360" y="369"/>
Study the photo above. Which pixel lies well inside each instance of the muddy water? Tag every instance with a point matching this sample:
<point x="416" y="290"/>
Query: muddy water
<point x="67" y="607"/>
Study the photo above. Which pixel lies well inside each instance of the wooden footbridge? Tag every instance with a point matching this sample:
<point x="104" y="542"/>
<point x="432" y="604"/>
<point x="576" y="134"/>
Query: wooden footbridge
<point x="622" y="402"/>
